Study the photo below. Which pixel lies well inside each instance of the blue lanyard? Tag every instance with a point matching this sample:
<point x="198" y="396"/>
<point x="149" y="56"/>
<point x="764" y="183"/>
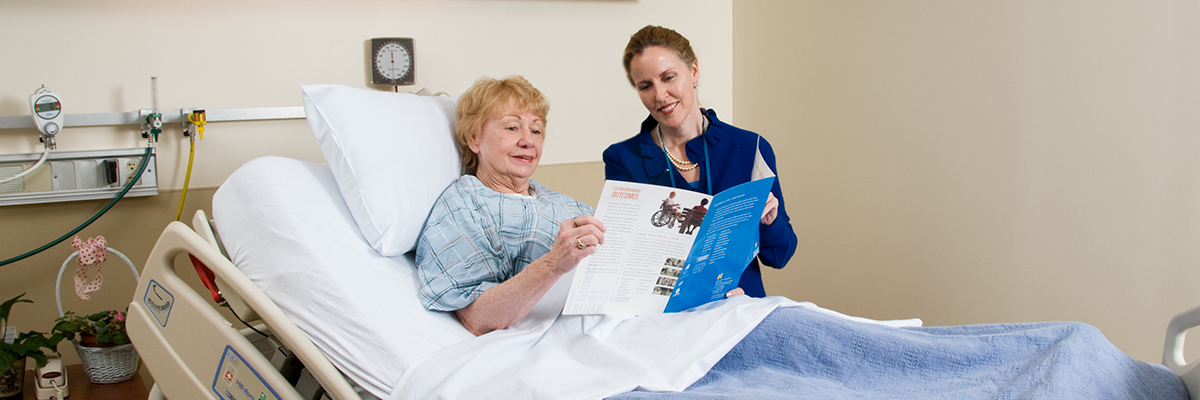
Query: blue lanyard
<point x="707" y="171"/>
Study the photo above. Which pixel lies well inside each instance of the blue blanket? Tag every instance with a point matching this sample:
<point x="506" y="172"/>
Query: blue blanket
<point x="796" y="353"/>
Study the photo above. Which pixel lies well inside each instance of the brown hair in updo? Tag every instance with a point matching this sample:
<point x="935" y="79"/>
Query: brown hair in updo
<point x="653" y="35"/>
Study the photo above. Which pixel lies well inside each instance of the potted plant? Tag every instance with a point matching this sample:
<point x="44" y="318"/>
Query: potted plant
<point x="102" y="343"/>
<point x="27" y="344"/>
<point x="102" y="329"/>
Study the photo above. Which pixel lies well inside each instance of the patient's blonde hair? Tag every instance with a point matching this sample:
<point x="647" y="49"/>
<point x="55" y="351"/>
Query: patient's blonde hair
<point x="484" y="100"/>
<point x="653" y="35"/>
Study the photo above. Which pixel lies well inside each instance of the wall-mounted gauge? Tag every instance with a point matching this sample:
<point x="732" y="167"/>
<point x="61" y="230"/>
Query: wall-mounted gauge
<point x="392" y="61"/>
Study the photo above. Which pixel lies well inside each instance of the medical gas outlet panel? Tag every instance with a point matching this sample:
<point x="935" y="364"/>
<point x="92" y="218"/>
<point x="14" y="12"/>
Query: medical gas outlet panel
<point x="55" y="176"/>
<point x="77" y="175"/>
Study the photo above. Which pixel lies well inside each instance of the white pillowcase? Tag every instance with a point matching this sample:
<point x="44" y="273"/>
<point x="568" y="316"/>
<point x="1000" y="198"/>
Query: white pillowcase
<point x="392" y="155"/>
<point x="286" y="227"/>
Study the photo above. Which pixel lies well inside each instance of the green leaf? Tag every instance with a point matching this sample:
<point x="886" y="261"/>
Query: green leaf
<point x="40" y="358"/>
<point x="67" y="327"/>
<point x="7" y="358"/>
<point x="7" y="306"/>
<point x="27" y="344"/>
<point x="54" y="340"/>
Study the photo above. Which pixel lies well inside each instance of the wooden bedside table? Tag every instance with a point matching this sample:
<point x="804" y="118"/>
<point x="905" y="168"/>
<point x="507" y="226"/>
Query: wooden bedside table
<point x="83" y="389"/>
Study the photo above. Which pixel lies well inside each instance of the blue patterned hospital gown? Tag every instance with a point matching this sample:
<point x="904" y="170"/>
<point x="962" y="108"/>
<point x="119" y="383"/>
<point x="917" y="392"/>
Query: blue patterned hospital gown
<point x="477" y="238"/>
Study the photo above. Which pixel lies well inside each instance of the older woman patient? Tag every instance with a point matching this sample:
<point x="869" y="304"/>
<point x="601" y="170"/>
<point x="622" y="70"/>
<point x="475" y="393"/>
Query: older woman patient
<point x="496" y="241"/>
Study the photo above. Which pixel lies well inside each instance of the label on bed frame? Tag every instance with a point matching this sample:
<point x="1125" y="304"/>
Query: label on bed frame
<point x="236" y="379"/>
<point x="159" y="301"/>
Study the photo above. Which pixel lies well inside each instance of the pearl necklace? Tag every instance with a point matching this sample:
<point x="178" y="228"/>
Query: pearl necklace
<point x="682" y="165"/>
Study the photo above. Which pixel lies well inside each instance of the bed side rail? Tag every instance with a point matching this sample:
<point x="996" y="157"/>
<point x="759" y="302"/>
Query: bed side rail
<point x="203" y="227"/>
<point x="1173" y="350"/>
<point x="192" y="350"/>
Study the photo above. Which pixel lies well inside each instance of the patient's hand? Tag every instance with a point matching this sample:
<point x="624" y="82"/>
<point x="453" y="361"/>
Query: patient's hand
<point x="577" y="238"/>
<point x="735" y="292"/>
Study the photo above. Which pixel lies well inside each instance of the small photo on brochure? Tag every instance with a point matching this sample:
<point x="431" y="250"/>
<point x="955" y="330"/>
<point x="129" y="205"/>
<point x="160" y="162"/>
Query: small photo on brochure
<point x="666" y="281"/>
<point x="668" y="214"/>
<point x="674" y="262"/>
<point x="661" y="291"/>
<point x="691" y="218"/>
<point x="671" y="272"/>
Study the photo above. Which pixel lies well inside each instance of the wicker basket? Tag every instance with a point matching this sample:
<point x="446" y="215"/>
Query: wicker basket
<point x="102" y="364"/>
<point x="108" y="364"/>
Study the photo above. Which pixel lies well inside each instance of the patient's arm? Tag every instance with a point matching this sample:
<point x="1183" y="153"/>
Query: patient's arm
<point x="503" y="305"/>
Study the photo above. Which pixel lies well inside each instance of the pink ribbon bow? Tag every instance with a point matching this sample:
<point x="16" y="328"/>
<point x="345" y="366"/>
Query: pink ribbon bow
<point x="91" y="252"/>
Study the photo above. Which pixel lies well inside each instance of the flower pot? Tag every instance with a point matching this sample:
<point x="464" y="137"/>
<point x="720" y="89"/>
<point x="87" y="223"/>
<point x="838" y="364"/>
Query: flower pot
<point x="108" y="364"/>
<point x="13" y="379"/>
<point x="89" y="340"/>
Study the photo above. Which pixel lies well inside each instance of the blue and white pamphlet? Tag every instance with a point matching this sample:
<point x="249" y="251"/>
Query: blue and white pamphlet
<point x="668" y="249"/>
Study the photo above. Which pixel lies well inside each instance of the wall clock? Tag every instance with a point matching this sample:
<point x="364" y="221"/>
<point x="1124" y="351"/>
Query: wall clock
<point x="392" y="61"/>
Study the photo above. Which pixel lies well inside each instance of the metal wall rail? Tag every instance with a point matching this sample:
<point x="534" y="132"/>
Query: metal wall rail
<point x="168" y="116"/>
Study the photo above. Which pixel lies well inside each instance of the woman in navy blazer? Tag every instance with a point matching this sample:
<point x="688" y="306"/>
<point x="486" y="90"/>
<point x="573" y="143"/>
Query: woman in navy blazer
<point x="682" y="145"/>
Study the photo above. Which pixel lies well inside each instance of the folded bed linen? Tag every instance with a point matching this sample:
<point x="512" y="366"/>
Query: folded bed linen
<point x="798" y="353"/>
<point x="552" y="356"/>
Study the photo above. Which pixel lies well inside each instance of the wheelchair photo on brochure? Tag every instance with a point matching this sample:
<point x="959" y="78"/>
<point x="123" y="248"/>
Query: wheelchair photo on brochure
<point x="667" y="215"/>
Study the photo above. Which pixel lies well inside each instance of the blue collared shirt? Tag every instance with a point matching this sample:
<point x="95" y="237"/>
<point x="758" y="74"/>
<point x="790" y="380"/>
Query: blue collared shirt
<point x="476" y="238"/>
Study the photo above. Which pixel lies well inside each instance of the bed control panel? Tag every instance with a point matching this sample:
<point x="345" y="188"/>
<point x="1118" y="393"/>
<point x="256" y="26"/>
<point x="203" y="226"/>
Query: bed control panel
<point x="236" y="379"/>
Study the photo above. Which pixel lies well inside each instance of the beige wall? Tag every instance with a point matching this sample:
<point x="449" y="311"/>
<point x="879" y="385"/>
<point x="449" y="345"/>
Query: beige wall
<point x="225" y="54"/>
<point x="979" y="162"/>
<point x="234" y="54"/>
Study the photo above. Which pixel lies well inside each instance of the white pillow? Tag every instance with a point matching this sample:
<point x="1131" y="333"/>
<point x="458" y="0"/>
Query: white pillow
<point x="392" y="155"/>
<point x="285" y="226"/>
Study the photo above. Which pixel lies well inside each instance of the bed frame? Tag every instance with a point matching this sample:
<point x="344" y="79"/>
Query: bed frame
<point x="194" y="352"/>
<point x="1173" y="350"/>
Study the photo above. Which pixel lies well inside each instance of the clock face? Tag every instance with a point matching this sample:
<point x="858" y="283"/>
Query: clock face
<point x="392" y="61"/>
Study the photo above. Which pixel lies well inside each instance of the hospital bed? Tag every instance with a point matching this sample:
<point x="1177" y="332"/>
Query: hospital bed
<point x="289" y="254"/>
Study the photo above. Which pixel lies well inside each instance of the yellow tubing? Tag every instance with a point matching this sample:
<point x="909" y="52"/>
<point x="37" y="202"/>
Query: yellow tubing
<point x="186" y="178"/>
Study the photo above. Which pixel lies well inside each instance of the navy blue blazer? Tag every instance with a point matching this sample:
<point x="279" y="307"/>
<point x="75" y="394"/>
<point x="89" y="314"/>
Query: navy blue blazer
<point x="731" y="152"/>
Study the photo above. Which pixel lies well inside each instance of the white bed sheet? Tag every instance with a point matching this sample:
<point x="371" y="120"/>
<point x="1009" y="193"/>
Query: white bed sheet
<point x="553" y="356"/>
<point x="285" y="225"/>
